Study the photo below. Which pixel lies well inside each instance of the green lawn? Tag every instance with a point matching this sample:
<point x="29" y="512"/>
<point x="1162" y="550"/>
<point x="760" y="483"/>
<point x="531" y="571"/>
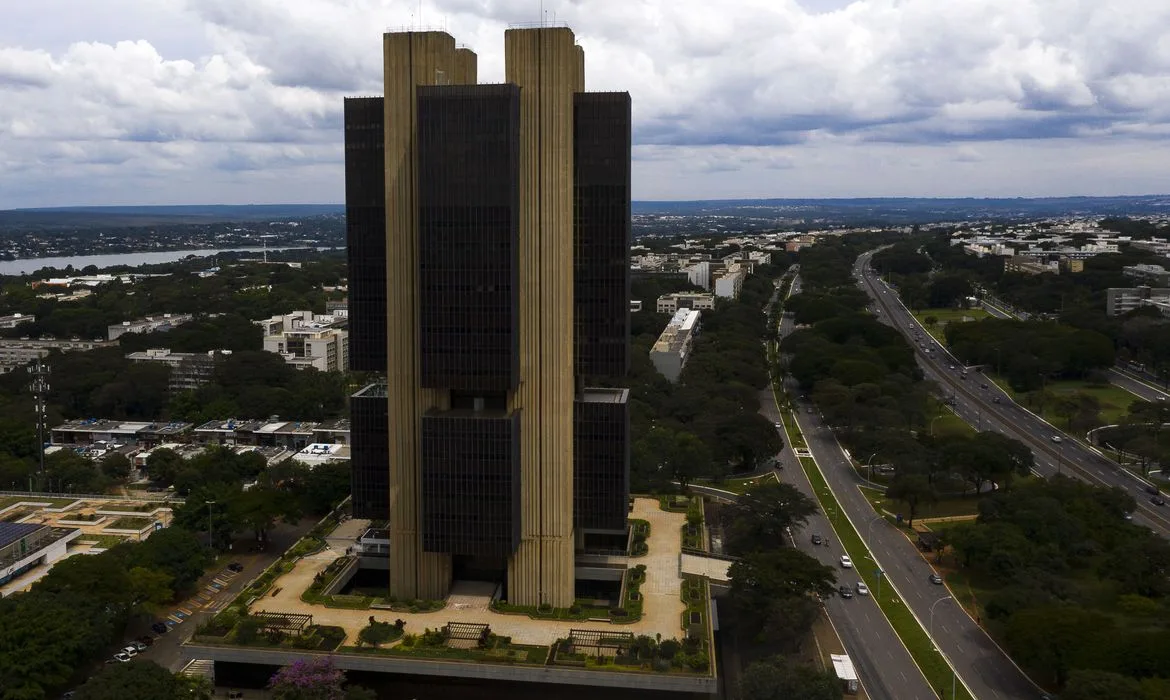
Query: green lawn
<point x="948" y="424"/>
<point x="6" y="501"/>
<point x="102" y="541"/>
<point x="945" y="508"/>
<point x="1114" y="400"/>
<point x="945" y="316"/>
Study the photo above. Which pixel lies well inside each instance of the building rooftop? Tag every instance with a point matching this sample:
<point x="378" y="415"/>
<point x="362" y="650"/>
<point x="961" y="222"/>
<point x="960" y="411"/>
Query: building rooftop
<point x="675" y="336"/>
<point x="11" y="532"/>
<point x="376" y="390"/>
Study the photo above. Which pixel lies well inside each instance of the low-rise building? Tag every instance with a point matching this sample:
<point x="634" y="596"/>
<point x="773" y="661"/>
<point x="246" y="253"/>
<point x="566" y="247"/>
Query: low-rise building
<point x="305" y="339"/>
<point x="670" y="303"/>
<point x="89" y="431"/>
<point x="1122" y="300"/>
<point x="19" y="352"/>
<point x="27" y="545"/>
<point x="1152" y="275"/>
<point x="1029" y="265"/>
<point x="728" y="284"/>
<point x="150" y="324"/>
<point x="14" y="320"/>
<point x="673" y="347"/>
<point x="189" y="370"/>
<point x="319" y="453"/>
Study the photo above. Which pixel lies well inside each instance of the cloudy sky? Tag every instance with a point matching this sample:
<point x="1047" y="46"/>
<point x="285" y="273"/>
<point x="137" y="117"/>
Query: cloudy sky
<point x="239" y="101"/>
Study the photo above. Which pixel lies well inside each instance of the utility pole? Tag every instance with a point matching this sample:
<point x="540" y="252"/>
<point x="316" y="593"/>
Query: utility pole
<point x="40" y="391"/>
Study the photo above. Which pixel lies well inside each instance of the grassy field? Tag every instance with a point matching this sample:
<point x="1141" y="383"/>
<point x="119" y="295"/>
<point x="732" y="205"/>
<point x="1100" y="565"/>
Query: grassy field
<point x="1114" y="400"/>
<point x="945" y="508"/>
<point x="6" y="501"/>
<point x="946" y="316"/>
<point x="948" y="424"/>
<point x="913" y="636"/>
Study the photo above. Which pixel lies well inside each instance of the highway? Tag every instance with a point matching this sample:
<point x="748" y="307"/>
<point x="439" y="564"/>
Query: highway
<point x="984" y="669"/>
<point x="884" y="666"/>
<point x="974" y="401"/>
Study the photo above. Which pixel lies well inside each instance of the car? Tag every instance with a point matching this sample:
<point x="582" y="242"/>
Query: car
<point x="1056" y="439"/>
<point x="994" y="399"/>
<point x="130" y="651"/>
<point x="1152" y="489"/>
<point x="936" y="579"/>
<point x="159" y="628"/>
<point x="846" y="562"/>
<point x="121" y="657"/>
<point x="1128" y="516"/>
<point x="146" y="640"/>
<point x="862" y="589"/>
<point x="139" y="647"/>
<point x="817" y="539"/>
<point x="951" y="367"/>
<point x="778" y="425"/>
<point x="236" y="567"/>
<point x="1157" y="500"/>
<point x="983" y="385"/>
<point x="844" y="591"/>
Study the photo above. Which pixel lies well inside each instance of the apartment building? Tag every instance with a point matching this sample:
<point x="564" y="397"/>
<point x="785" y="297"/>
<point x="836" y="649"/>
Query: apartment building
<point x="673" y="347"/>
<point x="670" y="303"/>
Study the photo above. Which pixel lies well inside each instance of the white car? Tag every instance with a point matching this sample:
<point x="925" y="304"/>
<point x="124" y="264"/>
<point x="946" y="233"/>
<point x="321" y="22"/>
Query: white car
<point x="846" y="562"/>
<point x="121" y="657"/>
<point x="862" y="589"/>
<point x="1056" y="439"/>
<point x="138" y="646"/>
<point x="130" y="651"/>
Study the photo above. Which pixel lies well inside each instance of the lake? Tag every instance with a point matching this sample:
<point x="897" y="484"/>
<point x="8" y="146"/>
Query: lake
<point x="25" y="266"/>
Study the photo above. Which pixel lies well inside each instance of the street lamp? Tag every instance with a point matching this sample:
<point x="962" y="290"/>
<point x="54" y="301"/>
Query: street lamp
<point x="954" y="676"/>
<point x="869" y="464"/>
<point x="210" y="531"/>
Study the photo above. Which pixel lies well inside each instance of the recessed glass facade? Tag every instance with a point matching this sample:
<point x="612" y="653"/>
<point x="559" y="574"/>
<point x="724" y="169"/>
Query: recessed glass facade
<point x="365" y="225"/>
<point x="469" y="151"/>
<point x="601" y="233"/>
<point x="601" y="459"/>
<point x="368" y="452"/>
<point x="471" y="483"/>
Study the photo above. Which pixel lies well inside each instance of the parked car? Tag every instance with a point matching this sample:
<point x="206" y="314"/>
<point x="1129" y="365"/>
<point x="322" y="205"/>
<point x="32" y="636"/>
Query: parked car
<point x="146" y="639"/>
<point x="846" y="562"/>
<point x="844" y="591"/>
<point x="121" y="657"/>
<point x="817" y="539"/>
<point x="139" y="647"/>
<point x="862" y="589"/>
<point x="130" y="651"/>
<point x="936" y="579"/>
<point x="159" y="628"/>
<point x="236" y="566"/>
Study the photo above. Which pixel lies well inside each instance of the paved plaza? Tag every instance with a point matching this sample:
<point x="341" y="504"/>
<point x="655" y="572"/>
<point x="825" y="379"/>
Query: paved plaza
<point x="662" y="608"/>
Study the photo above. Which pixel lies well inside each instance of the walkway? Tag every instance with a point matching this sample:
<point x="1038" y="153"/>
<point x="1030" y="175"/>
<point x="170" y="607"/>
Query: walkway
<point x="662" y="608"/>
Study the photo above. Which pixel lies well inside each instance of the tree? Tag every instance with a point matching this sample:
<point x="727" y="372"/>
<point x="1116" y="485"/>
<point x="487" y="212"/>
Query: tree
<point x="139" y="680"/>
<point x="757" y="521"/>
<point x="377" y="633"/>
<point x="115" y="466"/>
<point x="1091" y="684"/>
<point x="914" y="490"/>
<point x="1054" y="639"/>
<point x="312" y="680"/>
<point x="163" y="465"/>
<point x="930" y="321"/>
<point x="779" y="678"/>
<point x="771" y="594"/>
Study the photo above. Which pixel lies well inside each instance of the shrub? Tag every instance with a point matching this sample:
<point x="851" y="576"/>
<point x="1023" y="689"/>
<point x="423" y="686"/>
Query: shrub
<point x="660" y="665"/>
<point x="698" y="661"/>
<point x="668" y="648"/>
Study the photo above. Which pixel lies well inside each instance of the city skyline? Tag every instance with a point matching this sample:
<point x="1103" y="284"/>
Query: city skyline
<point x="200" y="101"/>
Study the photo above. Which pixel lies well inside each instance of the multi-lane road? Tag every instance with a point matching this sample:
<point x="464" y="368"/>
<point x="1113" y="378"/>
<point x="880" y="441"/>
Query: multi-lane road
<point x="974" y="400"/>
<point x="883" y="664"/>
<point x="981" y="666"/>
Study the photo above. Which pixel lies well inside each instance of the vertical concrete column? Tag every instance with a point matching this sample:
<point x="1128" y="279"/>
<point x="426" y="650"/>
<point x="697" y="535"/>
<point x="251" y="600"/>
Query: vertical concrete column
<point x="548" y="67"/>
<point x="411" y="59"/>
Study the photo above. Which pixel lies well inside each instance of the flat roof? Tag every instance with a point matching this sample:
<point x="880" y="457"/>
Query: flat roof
<point x="12" y="532"/>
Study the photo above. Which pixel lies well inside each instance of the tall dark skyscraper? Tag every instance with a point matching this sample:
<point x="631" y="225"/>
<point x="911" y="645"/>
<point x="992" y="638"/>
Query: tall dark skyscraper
<point x="489" y="235"/>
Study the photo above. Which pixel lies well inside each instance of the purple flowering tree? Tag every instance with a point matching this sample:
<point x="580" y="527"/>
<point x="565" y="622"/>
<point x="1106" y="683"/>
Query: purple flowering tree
<point x="308" y="680"/>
